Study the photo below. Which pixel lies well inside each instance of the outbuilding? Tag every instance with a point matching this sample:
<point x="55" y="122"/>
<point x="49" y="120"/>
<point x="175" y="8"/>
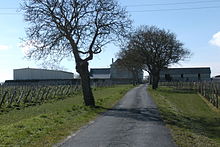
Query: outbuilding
<point x="41" y="74"/>
<point x="185" y="74"/>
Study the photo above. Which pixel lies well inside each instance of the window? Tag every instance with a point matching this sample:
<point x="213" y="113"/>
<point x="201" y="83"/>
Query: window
<point x="199" y="76"/>
<point x="181" y="75"/>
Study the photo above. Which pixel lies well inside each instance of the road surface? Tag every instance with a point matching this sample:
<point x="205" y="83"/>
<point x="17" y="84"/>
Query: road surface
<point x="133" y="122"/>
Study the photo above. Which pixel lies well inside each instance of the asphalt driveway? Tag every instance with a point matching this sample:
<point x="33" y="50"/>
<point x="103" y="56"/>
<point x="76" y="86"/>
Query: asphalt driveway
<point x="134" y="122"/>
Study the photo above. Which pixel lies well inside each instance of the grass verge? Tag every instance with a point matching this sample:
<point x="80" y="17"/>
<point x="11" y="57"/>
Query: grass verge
<point x="192" y="121"/>
<point x="49" y="123"/>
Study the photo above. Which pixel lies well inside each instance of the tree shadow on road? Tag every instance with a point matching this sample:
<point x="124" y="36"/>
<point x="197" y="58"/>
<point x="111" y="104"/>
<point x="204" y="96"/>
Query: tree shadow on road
<point x="139" y="114"/>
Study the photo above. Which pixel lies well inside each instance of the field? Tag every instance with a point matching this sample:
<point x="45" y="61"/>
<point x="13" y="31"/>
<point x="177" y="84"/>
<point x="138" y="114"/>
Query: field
<point x="192" y="119"/>
<point x="209" y="90"/>
<point x="50" y="122"/>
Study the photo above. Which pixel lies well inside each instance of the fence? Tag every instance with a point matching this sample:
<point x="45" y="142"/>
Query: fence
<point x="210" y="90"/>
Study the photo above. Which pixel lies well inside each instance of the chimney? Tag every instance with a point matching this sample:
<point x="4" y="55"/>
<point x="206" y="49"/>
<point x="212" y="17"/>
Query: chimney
<point x="112" y="60"/>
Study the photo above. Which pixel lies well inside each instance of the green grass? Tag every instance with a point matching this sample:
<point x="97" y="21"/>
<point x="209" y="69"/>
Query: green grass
<point x="191" y="119"/>
<point x="49" y="123"/>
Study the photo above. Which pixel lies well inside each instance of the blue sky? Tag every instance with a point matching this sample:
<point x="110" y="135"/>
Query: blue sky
<point x="196" y="23"/>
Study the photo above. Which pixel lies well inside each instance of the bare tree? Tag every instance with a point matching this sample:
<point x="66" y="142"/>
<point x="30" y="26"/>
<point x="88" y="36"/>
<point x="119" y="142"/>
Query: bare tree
<point x="52" y="65"/>
<point x="78" y="28"/>
<point x="157" y="48"/>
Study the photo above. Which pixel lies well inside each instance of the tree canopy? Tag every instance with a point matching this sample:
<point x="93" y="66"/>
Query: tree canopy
<point x="63" y="27"/>
<point x="128" y="58"/>
<point x="156" y="49"/>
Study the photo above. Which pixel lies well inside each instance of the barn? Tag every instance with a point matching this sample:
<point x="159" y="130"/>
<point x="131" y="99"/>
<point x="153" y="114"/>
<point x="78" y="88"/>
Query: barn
<point x="185" y="74"/>
<point x="40" y="74"/>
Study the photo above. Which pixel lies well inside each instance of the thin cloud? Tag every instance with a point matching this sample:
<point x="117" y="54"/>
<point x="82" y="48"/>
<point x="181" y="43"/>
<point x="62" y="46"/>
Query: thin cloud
<point x="4" y="47"/>
<point x="215" y="40"/>
<point x="26" y="46"/>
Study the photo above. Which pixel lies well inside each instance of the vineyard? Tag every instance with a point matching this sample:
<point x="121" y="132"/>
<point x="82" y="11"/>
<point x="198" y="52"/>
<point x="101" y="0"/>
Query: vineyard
<point x="22" y="96"/>
<point x="210" y="90"/>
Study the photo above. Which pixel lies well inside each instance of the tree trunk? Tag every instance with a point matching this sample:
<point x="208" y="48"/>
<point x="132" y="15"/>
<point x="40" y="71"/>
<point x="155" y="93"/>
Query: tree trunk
<point x="137" y="78"/>
<point x="156" y="78"/>
<point x="82" y="69"/>
<point x="150" y="78"/>
<point x="133" y="78"/>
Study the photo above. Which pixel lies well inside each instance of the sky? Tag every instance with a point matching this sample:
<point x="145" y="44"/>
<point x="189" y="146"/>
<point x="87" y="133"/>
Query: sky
<point x="195" y="22"/>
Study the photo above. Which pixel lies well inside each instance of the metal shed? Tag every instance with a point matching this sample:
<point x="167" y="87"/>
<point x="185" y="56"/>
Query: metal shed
<point x="185" y="74"/>
<point x="40" y="74"/>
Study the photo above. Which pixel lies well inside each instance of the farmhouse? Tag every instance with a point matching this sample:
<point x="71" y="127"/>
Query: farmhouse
<point x="119" y="73"/>
<point x="40" y="74"/>
<point x="115" y="73"/>
<point x="185" y="74"/>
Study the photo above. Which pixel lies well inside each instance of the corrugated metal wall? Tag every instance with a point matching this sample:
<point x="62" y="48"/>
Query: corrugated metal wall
<point x="40" y="74"/>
